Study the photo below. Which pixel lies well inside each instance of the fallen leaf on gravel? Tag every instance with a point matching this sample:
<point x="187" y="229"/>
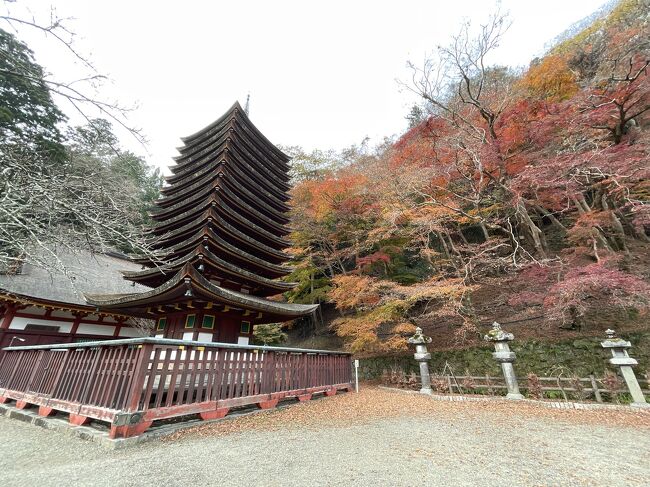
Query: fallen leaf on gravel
<point x="374" y="404"/>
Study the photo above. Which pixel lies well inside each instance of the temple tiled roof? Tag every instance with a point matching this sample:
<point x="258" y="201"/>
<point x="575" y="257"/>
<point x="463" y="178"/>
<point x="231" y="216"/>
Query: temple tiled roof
<point x="86" y="273"/>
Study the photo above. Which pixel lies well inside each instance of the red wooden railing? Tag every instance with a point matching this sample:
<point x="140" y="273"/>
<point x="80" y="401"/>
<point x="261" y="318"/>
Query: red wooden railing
<point x="130" y="383"/>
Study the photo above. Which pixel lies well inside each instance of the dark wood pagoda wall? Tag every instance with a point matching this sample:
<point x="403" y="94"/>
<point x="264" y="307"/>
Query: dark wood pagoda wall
<point x="226" y="327"/>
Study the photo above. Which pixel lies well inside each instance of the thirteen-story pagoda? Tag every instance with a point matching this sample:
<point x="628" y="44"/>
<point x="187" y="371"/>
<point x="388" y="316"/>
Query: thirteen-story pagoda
<point x="220" y="228"/>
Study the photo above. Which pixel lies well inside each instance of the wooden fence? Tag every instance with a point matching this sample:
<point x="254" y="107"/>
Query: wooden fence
<point x="130" y="383"/>
<point x="565" y="388"/>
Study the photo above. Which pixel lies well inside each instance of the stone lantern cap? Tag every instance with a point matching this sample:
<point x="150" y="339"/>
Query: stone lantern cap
<point x="496" y="334"/>
<point x="612" y="341"/>
<point x="419" y="338"/>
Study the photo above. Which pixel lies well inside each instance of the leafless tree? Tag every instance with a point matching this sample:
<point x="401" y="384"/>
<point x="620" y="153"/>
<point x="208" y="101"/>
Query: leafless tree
<point x="71" y="203"/>
<point x="82" y="93"/>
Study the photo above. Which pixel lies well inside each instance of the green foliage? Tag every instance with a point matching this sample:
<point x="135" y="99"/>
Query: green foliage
<point x="94" y="149"/>
<point x="271" y="334"/>
<point x="28" y="114"/>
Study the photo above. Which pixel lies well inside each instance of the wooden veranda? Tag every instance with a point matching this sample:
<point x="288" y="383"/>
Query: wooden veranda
<point x="131" y="383"/>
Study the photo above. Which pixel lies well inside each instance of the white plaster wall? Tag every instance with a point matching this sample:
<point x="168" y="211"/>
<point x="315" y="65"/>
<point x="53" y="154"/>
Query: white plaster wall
<point x="204" y="337"/>
<point x="19" y="323"/>
<point x="87" y="329"/>
<point x="242" y="341"/>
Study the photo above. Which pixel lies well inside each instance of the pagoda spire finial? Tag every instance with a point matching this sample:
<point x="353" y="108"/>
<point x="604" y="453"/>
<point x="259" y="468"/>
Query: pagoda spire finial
<point x="247" y="106"/>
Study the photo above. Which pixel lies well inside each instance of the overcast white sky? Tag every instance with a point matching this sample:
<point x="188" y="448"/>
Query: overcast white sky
<point x="320" y="74"/>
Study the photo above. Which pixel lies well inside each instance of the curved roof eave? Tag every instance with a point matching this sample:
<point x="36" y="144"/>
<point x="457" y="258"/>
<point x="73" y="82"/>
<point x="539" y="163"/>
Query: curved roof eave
<point x="190" y="277"/>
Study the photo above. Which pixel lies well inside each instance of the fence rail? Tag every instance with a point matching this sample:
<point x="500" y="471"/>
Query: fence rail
<point x="584" y="388"/>
<point x="131" y="383"/>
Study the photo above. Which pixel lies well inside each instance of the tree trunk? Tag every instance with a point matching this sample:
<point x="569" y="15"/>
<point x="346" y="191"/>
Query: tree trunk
<point x="554" y="221"/>
<point x="533" y="230"/>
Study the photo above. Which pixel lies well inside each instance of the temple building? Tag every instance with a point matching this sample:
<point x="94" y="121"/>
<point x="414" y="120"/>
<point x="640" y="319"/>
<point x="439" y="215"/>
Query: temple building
<point x="40" y="306"/>
<point x="220" y="228"/>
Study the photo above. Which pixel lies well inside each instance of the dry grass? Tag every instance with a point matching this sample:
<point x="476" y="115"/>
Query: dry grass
<point x="373" y="404"/>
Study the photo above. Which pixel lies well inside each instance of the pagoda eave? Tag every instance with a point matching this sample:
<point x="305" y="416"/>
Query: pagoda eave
<point x="218" y="266"/>
<point x="188" y="285"/>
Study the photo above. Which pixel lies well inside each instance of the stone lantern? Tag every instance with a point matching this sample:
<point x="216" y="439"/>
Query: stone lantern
<point x="505" y="357"/>
<point x="624" y="362"/>
<point x="422" y="356"/>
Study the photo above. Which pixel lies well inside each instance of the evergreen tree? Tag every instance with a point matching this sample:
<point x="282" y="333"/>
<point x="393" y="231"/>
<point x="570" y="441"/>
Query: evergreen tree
<point x="28" y="114"/>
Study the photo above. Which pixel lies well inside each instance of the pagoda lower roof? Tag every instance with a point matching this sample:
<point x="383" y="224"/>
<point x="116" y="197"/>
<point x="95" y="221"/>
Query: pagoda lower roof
<point x="210" y="239"/>
<point x="222" y="190"/>
<point x="188" y="285"/>
<point x="210" y="216"/>
<point x="222" y="207"/>
<point x="206" y="175"/>
<point x="226" y="271"/>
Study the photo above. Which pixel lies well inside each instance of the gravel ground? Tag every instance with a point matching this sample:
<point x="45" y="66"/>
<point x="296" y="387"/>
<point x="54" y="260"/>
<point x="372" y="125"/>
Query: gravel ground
<point x="374" y="438"/>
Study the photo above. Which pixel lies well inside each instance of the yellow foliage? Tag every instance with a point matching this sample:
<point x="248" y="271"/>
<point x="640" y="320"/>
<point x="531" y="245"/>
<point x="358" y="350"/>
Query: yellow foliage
<point x="551" y="79"/>
<point x="361" y="330"/>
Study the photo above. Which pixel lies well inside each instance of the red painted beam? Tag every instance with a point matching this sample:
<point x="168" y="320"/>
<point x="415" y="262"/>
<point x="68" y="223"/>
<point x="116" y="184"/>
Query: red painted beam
<point x="22" y="404"/>
<point x="303" y="397"/>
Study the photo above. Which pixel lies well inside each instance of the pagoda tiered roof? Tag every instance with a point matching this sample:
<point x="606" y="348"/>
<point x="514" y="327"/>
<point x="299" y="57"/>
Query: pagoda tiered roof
<point x="224" y="209"/>
<point x="220" y="225"/>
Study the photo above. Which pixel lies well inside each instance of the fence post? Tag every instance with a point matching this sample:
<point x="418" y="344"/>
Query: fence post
<point x="624" y="362"/>
<point x="422" y="356"/>
<point x="505" y="357"/>
<point x="594" y="387"/>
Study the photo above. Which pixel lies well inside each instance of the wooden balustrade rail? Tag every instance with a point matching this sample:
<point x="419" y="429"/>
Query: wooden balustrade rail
<point x="130" y="383"/>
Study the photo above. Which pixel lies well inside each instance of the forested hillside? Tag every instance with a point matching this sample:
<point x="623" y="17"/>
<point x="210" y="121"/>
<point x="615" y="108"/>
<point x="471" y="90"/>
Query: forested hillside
<point x="516" y="196"/>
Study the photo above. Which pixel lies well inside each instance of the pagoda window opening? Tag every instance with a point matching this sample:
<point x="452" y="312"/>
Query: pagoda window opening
<point x="208" y="322"/>
<point x="245" y="328"/>
<point x="162" y="322"/>
<point x="190" y="320"/>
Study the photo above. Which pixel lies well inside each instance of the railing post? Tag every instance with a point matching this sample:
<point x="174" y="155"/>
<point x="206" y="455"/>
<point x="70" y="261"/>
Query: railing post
<point x="505" y="357"/>
<point x="624" y="362"/>
<point x="139" y="373"/>
<point x="131" y="422"/>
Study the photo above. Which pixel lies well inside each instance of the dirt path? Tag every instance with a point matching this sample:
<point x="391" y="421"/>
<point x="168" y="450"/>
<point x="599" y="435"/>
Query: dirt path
<point x="374" y="438"/>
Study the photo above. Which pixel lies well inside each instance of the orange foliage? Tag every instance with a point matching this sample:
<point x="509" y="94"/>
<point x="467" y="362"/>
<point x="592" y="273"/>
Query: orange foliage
<point x="343" y="192"/>
<point x="551" y="79"/>
<point x="354" y="291"/>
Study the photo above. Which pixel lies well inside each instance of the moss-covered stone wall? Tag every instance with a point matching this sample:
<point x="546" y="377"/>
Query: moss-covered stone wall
<point x="581" y="357"/>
